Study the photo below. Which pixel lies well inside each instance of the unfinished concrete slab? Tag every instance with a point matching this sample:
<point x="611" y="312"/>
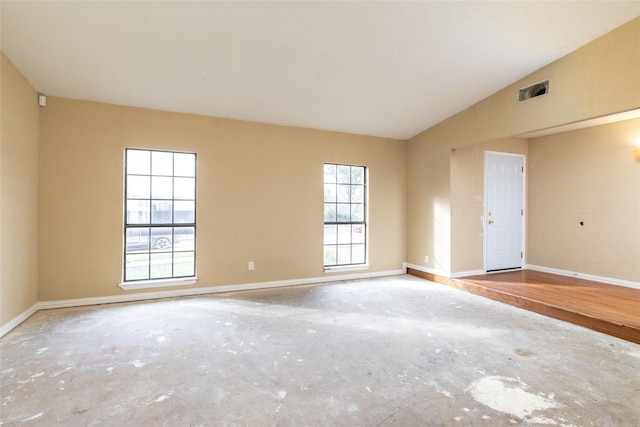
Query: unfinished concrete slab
<point x="391" y="351"/>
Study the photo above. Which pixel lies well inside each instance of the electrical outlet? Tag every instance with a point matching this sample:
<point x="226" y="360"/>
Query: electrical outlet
<point x="426" y="259"/>
<point x="251" y="265"/>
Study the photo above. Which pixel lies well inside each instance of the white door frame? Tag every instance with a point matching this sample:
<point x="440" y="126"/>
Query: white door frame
<point x="524" y="204"/>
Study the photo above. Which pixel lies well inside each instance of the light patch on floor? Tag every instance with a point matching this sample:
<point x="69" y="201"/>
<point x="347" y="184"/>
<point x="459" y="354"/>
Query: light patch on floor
<point x="509" y="396"/>
<point x="164" y="396"/>
<point x="35" y="417"/>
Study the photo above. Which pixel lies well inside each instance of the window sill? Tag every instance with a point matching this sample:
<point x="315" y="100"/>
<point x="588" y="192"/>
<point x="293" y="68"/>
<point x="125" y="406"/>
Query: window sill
<point x="358" y="267"/>
<point x="159" y="283"/>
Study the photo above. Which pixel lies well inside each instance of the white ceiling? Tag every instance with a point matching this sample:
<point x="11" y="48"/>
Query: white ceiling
<point x="389" y="69"/>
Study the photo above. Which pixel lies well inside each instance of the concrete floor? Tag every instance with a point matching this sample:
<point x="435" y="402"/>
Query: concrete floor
<point x="397" y="351"/>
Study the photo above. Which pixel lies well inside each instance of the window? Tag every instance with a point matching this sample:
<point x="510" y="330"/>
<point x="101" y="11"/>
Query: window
<point x="160" y="215"/>
<point x="345" y="226"/>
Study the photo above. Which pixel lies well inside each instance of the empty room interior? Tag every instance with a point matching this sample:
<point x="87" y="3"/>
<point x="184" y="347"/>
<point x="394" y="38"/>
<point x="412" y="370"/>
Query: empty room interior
<point x="320" y="213"/>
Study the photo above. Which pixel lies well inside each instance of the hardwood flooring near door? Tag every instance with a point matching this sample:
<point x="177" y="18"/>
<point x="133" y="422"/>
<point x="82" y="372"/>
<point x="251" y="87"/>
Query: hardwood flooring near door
<point x="613" y="310"/>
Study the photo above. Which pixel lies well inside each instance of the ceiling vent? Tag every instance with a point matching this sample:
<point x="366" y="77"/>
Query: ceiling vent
<point x="532" y="91"/>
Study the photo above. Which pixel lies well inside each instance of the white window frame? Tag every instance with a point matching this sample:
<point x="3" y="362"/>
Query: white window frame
<point x="346" y="212"/>
<point x="148" y="224"/>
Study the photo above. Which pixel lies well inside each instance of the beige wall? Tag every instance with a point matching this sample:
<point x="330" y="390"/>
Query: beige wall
<point x="590" y="176"/>
<point x="467" y="195"/>
<point x="19" y="127"/>
<point x="260" y="195"/>
<point x="596" y="80"/>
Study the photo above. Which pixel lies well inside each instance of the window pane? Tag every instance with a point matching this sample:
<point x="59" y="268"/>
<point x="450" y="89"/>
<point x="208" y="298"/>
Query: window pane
<point x="185" y="212"/>
<point x="185" y="188"/>
<point x="357" y="213"/>
<point x="136" y="266"/>
<point x="138" y="212"/>
<point x="161" y="163"/>
<point x="329" y="212"/>
<point x="137" y="239"/>
<point x="161" y="212"/>
<point x="138" y="187"/>
<point x="161" y="187"/>
<point x="357" y="194"/>
<point x="329" y="173"/>
<point x="330" y="234"/>
<point x="138" y="162"/>
<point x="184" y="239"/>
<point x="344" y="254"/>
<point x="343" y="193"/>
<point x="330" y="193"/>
<point x="357" y="175"/>
<point x="184" y="164"/>
<point x="161" y="239"/>
<point x="161" y="265"/>
<point x="357" y="233"/>
<point x="184" y="264"/>
<point x="329" y="255"/>
<point x="344" y="234"/>
<point x="344" y="174"/>
<point x="343" y="212"/>
<point x="357" y="254"/>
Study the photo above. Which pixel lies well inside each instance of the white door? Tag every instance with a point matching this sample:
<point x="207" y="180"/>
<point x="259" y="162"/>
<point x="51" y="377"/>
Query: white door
<point x="504" y="211"/>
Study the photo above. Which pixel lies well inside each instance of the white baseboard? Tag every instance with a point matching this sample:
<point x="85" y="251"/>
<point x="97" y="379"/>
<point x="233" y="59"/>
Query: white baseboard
<point x="443" y="273"/>
<point x="79" y="302"/>
<point x="11" y="324"/>
<point x="584" y="276"/>
<point x="427" y="270"/>
<point x="467" y="273"/>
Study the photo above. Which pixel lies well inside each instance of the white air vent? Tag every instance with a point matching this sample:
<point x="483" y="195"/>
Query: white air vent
<point x="532" y="91"/>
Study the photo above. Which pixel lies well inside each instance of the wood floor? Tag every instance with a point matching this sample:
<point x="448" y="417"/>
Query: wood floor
<point x="613" y="310"/>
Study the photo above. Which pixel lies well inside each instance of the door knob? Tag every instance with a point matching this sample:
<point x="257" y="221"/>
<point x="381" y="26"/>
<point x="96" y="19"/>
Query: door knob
<point x="490" y="221"/>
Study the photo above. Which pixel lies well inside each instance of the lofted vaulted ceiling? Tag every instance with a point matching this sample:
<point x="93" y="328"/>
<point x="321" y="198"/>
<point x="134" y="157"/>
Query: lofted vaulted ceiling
<point x="390" y="69"/>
